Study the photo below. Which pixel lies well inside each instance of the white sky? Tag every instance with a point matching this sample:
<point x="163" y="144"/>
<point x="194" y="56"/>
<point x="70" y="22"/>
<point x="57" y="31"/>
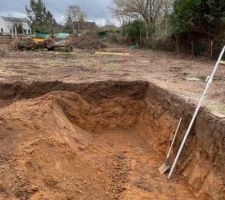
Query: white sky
<point x="96" y="10"/>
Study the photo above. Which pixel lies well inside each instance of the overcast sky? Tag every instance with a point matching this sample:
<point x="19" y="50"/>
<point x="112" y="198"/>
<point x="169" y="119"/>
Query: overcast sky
<point x="96" y="10"/>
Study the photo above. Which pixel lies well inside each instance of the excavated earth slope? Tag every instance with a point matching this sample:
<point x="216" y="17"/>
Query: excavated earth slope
<point x="104" y="140"/>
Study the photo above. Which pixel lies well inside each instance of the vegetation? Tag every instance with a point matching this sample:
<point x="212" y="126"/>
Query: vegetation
<point x="135" y="30"/>
<point x="41" y="20"/>
<point x="150" y="12"/>
<point x="202" y="16"/>
<point x="74" y="14"/>
<point x="196" y="26"/>
<point x="69" y="25"/>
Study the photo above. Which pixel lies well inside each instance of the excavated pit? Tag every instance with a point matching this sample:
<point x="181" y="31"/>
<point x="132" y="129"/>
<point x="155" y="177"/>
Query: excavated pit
<point x="104" y="140"/>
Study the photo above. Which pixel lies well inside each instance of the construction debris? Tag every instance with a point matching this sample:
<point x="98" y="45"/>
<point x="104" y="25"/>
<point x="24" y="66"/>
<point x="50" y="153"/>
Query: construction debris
<point x="112" y="53"/>
<point x="37" y="43"/>
<point x="192" y="79"/>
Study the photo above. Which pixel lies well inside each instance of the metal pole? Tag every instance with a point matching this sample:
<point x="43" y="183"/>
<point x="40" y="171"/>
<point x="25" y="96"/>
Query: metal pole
<point x="196" y="112"/>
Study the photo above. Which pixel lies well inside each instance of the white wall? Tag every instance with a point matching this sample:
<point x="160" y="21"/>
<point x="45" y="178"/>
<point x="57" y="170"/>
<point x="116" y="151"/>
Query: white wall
<point x="26" y="28"/>
<point x="8" y="26"/>
<point x="3" y="26"/>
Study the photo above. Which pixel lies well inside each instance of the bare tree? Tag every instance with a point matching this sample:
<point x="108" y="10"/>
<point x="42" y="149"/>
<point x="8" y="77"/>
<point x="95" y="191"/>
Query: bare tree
<point x="74" y="14"/>
<point x="148" y="10"/>
<point x="151" y="11"/>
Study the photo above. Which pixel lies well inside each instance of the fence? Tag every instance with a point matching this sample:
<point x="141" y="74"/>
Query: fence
<point x="181" y="44"/>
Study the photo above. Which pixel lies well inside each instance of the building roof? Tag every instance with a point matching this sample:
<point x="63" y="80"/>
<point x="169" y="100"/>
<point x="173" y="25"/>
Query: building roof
<point x="15" y="19"/>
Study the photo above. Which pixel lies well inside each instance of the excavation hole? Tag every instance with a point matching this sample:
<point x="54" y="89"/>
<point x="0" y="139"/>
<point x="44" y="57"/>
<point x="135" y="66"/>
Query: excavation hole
<point x="101" y="140"/>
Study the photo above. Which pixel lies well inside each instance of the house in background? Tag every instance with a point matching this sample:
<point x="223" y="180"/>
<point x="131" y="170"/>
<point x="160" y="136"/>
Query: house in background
<point x="13" y="26"/>
<point x="83" y="27"/>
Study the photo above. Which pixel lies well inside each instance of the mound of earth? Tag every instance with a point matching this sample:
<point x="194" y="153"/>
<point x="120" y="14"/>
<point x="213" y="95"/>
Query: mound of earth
<point x="47" y="148"/>
<point x="86" y="42"/>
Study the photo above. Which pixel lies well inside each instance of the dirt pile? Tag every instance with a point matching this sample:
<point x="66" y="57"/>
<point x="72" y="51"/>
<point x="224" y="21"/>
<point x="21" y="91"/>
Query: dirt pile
<point x="99" y="141"/>
<point x="86" y="42"/>
<point x="47" y="154"/>
<point x="49" y="147"/>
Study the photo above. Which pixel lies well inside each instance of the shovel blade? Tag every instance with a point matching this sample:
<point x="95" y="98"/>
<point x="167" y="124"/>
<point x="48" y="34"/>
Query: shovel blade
<point x="164" y="168"/>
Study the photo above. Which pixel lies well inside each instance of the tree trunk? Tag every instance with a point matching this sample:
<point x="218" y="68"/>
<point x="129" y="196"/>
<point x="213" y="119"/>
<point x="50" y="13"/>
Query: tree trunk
<point x="147" y="31"/>
<point x="211" y="48"/>
<point x="140" y="38"/>
<point x="16" y="32"/>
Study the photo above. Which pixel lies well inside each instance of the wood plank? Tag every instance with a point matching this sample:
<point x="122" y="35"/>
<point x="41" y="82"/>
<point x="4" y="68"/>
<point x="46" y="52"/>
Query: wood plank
<point x="112" y="53"/>
<point x="222" y="62"/>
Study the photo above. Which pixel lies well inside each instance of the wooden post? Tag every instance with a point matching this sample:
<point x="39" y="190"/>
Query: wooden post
<point x="147" y="33"/>
<point x="192" y="48"/>
<point x="140" y="38"/>
<point x="159" y="31"/>
<point x="123" y="58"/>
<point x="211" y="48"/>
<point x="177" y="43"/>
<point x="166" y="27"/>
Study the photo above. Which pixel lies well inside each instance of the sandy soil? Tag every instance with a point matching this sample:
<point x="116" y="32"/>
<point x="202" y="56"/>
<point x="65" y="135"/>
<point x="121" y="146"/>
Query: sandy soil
<point x="61" y="146"/>
<point x="183" y="75"/>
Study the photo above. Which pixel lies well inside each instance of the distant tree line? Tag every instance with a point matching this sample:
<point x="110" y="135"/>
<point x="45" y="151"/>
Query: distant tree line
<point x="42" y="21"/>
<point x="195" y="24"/>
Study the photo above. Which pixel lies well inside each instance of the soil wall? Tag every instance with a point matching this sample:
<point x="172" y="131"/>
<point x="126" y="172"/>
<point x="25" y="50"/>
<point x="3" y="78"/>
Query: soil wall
<point x="203" y="159"/>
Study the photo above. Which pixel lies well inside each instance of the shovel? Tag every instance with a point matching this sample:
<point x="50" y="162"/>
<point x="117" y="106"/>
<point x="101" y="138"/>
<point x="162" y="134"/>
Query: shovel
<point x="165" y="166"/>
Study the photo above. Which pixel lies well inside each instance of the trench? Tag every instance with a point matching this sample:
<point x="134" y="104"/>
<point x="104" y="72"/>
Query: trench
<point x="104" y="140"/>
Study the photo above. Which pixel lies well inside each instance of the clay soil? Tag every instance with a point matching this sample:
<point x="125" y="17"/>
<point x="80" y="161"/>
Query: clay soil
<point x="66" y="145"/>
<point x="80" y="143"/>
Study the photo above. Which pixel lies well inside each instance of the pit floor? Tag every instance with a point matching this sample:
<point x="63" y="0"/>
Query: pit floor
<point x="141" y="165"/>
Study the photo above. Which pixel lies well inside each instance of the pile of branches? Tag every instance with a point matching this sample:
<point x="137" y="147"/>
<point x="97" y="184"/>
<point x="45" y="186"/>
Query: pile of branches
<point x="86" y="42"/>
<point x="49" y="44"/>
<point x="29" y="44"/>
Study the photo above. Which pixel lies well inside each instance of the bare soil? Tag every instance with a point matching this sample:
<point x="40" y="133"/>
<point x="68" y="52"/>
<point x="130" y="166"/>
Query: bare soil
<point x="64" y="145"/>
<point x="106" y="140"/>
<point x="179" y="74"/>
